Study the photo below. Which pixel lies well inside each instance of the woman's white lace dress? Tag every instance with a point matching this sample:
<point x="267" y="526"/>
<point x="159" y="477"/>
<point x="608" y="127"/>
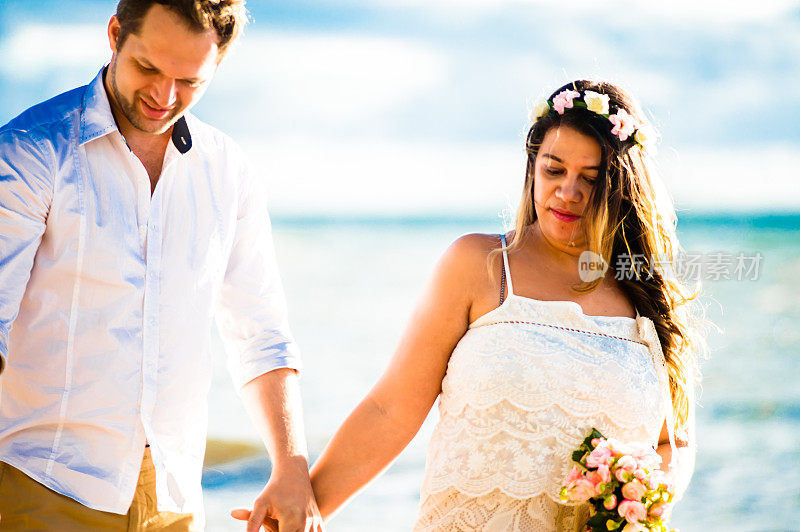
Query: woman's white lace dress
<point x="523" y="388"/>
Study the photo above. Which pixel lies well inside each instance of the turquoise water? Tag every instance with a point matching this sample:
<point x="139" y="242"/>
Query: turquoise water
<point x="351" y="285"/>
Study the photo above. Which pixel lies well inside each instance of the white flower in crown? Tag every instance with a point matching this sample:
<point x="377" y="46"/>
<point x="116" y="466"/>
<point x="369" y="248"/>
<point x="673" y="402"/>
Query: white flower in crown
<point x="596" y="102"/>
<point x="624" y="124"/>
<point x="645" y="136"/>
<point x="540" y="108"/>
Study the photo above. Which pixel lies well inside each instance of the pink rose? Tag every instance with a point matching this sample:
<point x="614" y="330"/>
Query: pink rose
<point x="632" y="511"/>
<point x="596" y="479"/>
<point x="655" y="478"/>
<point x="563" y="100"/>
<point x="618" y="448"/>
<point x="624" y="468"/>
<point x="658" y="509"/>
<point x="610" y="502"/>
<point x="659" y="478"/>
<point x="582" y="490"/>
<point x="574" y="474"/>
<point x="604" y="472"/>
<point x="600" y="456"/>
<point x="633" y="490"/>
<point x="647" y="457"/>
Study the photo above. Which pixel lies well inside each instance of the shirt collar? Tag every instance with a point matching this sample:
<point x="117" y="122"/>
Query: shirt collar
<point x="96" y="117"/>
<point x="97" y="120"/>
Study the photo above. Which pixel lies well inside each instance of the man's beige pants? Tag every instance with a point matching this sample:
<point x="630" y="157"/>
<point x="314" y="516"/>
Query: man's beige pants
<point x="26" y="505"/>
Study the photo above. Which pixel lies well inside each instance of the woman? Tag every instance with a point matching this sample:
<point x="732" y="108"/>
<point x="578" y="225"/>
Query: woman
<point x="530" y="346"/>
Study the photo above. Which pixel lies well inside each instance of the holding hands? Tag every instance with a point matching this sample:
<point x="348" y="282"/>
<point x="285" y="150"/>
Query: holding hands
<point x="286" y="504"/>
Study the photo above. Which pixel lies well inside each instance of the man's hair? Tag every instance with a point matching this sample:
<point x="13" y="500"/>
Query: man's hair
<point x="225" y="17"/>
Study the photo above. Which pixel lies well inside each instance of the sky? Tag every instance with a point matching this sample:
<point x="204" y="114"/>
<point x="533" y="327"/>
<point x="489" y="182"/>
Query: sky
<point x="398" y="107"/>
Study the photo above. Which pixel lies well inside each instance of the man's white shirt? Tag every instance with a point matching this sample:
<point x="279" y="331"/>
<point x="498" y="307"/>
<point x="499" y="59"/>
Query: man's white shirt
<point x="108" y="296"/>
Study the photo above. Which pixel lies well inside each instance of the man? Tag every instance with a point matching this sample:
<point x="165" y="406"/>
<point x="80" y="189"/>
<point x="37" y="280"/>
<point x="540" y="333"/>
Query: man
<point x="125" y="225"/>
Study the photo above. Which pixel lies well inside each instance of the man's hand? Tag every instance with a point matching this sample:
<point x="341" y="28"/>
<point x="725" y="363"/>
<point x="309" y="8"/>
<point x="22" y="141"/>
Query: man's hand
<point x="286" y="505"/>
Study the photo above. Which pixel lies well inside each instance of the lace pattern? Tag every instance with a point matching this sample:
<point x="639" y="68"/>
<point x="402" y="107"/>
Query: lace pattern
<point x="496" y="512"/>
<point x="523" y="387"/>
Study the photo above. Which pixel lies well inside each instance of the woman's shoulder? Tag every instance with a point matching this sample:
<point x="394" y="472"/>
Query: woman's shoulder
<point x="473" y="248"/>
<point x="468" y="260"/>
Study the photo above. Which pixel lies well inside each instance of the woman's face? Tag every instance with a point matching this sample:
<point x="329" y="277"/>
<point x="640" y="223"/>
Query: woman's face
<point x="565" y="171"/>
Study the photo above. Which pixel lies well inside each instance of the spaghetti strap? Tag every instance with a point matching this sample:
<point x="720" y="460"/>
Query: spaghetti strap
<point x="505" y="266"/>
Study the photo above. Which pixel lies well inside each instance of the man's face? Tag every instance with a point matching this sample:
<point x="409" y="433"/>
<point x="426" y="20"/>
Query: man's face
<point x="160" y="72"/>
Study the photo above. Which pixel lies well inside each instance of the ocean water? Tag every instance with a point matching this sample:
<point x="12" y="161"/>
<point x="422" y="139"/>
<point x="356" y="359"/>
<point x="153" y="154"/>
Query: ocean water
<point x="351" y="285"/>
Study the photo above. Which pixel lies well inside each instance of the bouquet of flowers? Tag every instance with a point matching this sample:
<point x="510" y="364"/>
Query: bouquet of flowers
<point x="622" y="483"/>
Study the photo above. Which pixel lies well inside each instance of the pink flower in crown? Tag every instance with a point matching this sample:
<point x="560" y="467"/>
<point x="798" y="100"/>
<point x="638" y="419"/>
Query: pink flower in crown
<point x="563" y="100"/>
<point x="624" y="124"/>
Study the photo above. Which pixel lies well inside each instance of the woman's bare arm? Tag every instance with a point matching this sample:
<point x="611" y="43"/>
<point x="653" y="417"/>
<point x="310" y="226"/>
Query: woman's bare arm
<point x="392" y="412"/>
<point x="664" y="449"/>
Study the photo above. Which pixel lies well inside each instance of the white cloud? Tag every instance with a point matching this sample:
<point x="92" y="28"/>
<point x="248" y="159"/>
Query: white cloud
<point x="338" y="77"/>
<point x="701" y="12"/>
<point x="33" y="51"/>
<point x="752" y="178"/>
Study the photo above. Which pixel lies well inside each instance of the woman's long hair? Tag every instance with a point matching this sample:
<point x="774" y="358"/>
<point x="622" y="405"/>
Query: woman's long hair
<point x="630" y="221"/>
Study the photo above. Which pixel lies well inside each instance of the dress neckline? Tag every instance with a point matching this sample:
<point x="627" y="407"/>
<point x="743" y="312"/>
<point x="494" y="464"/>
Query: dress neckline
<point x="574" y="306"/>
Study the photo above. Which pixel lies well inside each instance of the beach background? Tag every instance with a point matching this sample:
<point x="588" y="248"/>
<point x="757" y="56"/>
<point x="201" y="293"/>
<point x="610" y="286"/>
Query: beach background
<point x="387" y="128"/>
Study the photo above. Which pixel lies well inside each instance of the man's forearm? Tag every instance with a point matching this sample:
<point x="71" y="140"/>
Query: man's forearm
<point x="275" y="406"/>
<point x="287" y="501"/>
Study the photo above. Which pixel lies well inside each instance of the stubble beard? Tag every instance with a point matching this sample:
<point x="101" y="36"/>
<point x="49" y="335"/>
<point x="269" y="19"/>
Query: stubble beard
<point x="132" y="114"/>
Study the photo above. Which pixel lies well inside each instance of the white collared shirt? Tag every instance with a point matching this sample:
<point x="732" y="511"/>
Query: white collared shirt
<point x="107" y="297"/>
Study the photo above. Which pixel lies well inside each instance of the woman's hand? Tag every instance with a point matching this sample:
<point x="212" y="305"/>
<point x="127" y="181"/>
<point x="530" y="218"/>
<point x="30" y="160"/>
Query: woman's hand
<point x="285" y="505"/>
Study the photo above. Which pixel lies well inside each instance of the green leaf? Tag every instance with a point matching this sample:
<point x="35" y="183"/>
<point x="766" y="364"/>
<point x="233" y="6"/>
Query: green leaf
<point x="595" y="434"/>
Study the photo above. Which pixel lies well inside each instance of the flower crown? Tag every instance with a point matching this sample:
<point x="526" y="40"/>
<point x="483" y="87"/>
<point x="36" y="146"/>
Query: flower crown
<point x="624" y="125"/>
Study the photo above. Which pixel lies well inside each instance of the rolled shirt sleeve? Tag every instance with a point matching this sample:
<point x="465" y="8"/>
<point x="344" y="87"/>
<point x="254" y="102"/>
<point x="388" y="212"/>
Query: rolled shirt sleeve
<point x="26" y="191"/>
<point x="251" y="314"/>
